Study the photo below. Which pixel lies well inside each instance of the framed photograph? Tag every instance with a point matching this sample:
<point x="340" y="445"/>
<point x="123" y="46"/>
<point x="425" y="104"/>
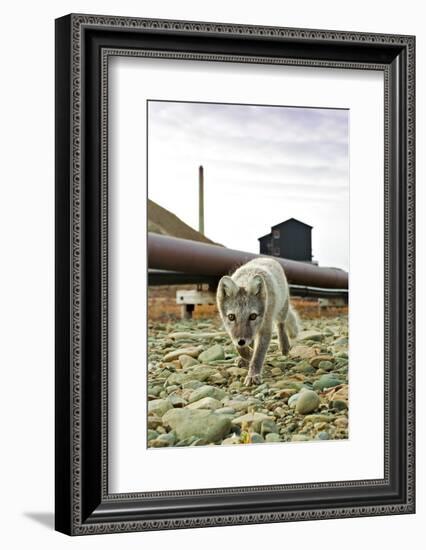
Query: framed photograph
<point x="234" y="274"/>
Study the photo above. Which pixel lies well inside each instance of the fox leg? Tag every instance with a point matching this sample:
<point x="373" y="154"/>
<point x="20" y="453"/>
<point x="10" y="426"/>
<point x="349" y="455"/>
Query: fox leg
<point x="245" y="356"/>
<point x="260" y="348"/>
<point x="283" y="340"/>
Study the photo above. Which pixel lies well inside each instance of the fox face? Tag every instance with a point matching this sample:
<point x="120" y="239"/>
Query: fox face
<point x="242" y="308"/>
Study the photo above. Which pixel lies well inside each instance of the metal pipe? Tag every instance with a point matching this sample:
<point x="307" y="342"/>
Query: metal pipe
<point x="201" y="200"/>
<point x="173" y="254"/>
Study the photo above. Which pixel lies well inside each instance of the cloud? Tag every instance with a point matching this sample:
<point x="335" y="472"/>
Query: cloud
<point x="265" y="159"/>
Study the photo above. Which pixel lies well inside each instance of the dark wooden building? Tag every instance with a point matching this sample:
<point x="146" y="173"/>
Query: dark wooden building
<point x="290" y="239"/>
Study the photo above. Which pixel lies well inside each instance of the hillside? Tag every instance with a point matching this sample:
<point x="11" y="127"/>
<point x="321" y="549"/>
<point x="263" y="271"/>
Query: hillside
<point x="164" y="222"/>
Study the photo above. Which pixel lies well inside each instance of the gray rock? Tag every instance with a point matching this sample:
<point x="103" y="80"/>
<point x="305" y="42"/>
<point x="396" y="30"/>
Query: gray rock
<point x="326" y="365"/>
<point x="199" y="442"/>
<point x="200" y="372"/>
<point x="307" y="402"/>
<point x="339" y="405"/>
<point x="233" y="440"/>
<point x="158" y="443"/>
<point x="225" y="410"/>
<point x="236" y="371"/>
<point x="318" y="417"/>
<point x="205" y="403"/>
<point x="192" y="384"/>
<point x="207" y="391"/>
<point x="175" y="354"/>
<point x="315" y="361"/>
<point x="254" y="420"/>
<point x="177" y="401"/>
<point x="152" y="434"/>
<point x="293" y="400"/>
<point x="202" y="424"/>
<point x="187" y="361"/>
<point x="323" y="435"/>
<point x="159" y="406"/>
<point x="169" y="438"/>
<point x="212" y="354"/>
<point x="268" y="426"/>
<point x="256" y="438"/>
<point x="326" y="381"/>
<point x="310" y="335"/>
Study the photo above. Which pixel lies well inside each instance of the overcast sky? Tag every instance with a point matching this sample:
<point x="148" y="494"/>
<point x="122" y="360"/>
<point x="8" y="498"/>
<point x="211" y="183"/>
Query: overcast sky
<point x="262" y="165"/>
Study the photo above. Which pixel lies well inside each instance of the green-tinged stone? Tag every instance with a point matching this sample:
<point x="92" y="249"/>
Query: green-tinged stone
<point x="213" y="353"/>
<point x="205" y="403"/>
<point x="159" y="406"/>
<point x="152" y="434"/>
<point x="203" y="424"/>
<point x="256" y="438"/>
<point x="326" y="381"/>
<point x="207" y="391"/>
<point x="187" y="361"/>
<point x="307" y="402"/>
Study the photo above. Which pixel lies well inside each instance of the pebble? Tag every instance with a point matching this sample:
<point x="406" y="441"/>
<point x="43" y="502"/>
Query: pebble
<point x="313" y="335"/>
<point x="236" y="371"/>
<point x="326" y="365"/>
<point x="152" y="434"/>
<point x="341" y="422"/>
<point x="187" y="361"/>
<point x="302" y="352"/>
<point x="339" y="405"/>
<point x="293" y="399"/>
<point x="307" y="402"/>
<point x="212" y="354"/>
<point x="201" y="423"/>
<point x="268" y="426"/>
<point x="169" y="438"/>
<point x="254" y="420"/>
<point x="195" y="385"/>
<point x="207" y="391"/>
<point x="192" y="351"/>
<point x="205" y="403"/>
<point x="318" y="418"/>
<point x="326" y="381"/>
<point x="315" y="361"/>
<point x="159" y="407"/>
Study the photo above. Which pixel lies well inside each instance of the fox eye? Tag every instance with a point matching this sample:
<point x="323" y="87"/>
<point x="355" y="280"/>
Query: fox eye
<point x="253" y="316"/>
<point x="231" y="317"/>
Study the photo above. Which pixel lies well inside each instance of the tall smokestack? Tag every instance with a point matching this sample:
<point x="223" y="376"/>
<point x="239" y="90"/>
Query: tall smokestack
<point x="201" y="200"/>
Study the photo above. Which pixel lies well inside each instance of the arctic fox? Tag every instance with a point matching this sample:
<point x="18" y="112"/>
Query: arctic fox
<point x="249" y="302"/>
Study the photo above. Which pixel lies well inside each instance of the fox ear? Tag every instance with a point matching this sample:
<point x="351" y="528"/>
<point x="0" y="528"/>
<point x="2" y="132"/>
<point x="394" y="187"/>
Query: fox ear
<point x="255" y="285"/>
<point x="227" y="287"/>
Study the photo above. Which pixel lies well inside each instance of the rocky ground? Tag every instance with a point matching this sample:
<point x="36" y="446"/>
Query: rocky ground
<point x="196" y="394"/>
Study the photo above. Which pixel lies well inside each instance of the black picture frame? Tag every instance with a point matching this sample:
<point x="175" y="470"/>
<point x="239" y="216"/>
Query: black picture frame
<point x="83" y="504"/>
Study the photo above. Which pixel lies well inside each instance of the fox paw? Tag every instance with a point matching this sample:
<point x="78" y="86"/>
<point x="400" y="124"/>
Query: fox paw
<point x="252" y="380"/>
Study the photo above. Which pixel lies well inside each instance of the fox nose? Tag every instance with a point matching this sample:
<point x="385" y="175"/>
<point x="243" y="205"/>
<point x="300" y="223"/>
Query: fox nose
<point x="241" y="342"/>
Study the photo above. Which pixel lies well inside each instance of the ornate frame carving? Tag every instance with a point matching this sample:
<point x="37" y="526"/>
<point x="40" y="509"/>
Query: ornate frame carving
<point x="83" y="504"/>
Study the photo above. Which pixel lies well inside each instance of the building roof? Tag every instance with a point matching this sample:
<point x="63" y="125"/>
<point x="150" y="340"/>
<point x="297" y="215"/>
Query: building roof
<point x="264" y="236"/>
<point x="289" y="220"/>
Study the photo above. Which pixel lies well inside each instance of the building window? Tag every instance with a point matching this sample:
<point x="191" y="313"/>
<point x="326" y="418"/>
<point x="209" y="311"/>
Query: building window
<point x="276" y="250"/>
<point x="276" y="233"/>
